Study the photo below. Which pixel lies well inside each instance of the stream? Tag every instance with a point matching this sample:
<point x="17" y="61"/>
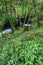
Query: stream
<point x="6" y="31"/>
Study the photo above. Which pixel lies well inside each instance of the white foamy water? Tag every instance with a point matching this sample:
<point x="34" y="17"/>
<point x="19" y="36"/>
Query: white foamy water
<point x="28" y="25"/>
<point x="8" y="31"/>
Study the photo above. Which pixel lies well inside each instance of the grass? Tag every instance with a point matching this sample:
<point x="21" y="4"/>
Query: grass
<point x="22" y="48"/>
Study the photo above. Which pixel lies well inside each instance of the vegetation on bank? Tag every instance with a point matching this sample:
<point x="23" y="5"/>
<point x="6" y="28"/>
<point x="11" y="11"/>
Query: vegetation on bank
<point x="25" y="45"/>
<point x="22" y="48"/>
<point x="12" y="10"/>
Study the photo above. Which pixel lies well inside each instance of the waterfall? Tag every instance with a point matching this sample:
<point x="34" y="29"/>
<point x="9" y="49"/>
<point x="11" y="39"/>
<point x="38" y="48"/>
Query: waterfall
<point x="10" y="30"/>
<point x="20" y="20"/>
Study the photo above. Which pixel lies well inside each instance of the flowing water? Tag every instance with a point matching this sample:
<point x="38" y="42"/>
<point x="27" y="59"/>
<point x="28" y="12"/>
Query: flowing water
<point x="10" y="30"/>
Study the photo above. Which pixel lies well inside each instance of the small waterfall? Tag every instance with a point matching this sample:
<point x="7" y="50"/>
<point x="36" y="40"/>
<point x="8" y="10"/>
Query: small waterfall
<point x="20" y="20"/>
<point x="7" y="31"/>
<point x="7" y="28"/>
<point x="28" y="25"/>
<point x="10" y="30"/>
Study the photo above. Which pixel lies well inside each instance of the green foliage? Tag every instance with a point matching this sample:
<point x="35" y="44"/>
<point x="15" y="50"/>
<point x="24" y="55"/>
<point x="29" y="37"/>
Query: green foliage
<point x="25" y="52"/>
<point x="21" y="48"/>
<point x="27" y="49"/>
<point x="22" y="9"/>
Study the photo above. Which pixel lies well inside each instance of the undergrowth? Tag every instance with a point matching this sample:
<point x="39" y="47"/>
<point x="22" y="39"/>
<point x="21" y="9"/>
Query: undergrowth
<point x="22" y="50"/>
